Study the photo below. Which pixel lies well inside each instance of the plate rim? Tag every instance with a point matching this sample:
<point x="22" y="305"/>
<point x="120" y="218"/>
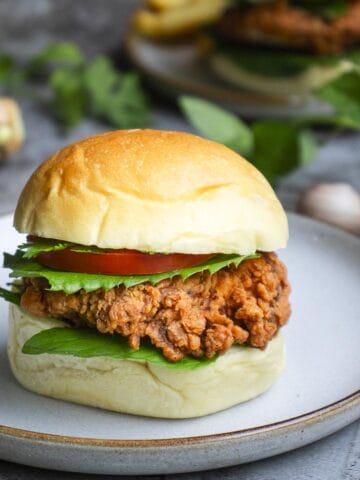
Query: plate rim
<point x="323" y="413"/>
<point x="226" y="94"/>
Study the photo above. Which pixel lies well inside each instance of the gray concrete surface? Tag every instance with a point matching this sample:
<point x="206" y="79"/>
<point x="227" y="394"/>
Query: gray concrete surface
<point x="97" y="26"/>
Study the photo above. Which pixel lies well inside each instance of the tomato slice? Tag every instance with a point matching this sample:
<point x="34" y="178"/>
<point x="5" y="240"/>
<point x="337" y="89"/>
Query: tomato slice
<point x="119" y="262"/>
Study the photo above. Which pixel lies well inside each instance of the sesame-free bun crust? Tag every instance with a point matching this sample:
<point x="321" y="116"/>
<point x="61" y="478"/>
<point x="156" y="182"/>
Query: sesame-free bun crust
<point x="152" y="190"/>
<point x="121" y="386"/>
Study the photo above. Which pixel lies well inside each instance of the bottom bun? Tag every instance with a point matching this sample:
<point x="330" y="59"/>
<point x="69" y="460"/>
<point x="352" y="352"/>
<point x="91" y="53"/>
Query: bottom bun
<point x="142" y="388"/>
<point x="301" y="85"/>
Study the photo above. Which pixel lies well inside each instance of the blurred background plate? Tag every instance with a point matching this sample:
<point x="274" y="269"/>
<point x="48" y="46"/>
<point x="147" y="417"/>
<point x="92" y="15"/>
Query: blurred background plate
<point x="317" y="394"/>
<point x="175" y="68"/>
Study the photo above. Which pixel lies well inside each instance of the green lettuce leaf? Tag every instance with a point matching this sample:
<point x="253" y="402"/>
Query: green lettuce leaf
<point x="71" y="282"/>
<point x="281" y="63"/>
<point x="86" y="343"/>
<point x="12" y="297"/>
<point x="32" y="249"/>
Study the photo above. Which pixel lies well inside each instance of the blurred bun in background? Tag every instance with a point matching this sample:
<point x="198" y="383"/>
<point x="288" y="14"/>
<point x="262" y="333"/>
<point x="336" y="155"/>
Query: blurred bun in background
<point x="285" y="47"/>
<point x="172" y="18"/>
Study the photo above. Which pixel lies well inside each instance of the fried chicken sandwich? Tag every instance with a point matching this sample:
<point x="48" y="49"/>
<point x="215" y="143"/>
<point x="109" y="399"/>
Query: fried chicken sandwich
<point x="286" y="47"/>
<point x="148" y="282"/>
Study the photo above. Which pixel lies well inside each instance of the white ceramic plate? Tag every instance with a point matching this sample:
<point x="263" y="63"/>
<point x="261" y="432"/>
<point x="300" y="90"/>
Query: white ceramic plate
<point x="175" y="68"/>
<point x="317" y="395"/>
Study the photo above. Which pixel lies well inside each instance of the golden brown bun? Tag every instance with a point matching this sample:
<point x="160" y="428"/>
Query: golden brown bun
<point x="142" y="388"/>
<point x="152" y="190"/>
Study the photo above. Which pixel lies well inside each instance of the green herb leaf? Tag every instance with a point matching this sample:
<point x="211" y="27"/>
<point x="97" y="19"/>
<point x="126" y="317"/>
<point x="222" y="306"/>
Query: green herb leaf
<point x="6" y="67"/>
<point x="86" y="343"/>
<point x="71" y="282"/>
<point x="128" y="106"/>
<point x="281" y="63"/>
<point x="10" y="76"/>
<point x="328" y="9"/>
<point x="79" y="88"/>
<point x="307" y="146"/>
<point x="217" y="124"/>
<point x="343" y="94"/>
<point x="268" y="63"/>
<point x="100" y="78"/>
<point x="9" y="296"/>
<point x="57" y="54"/>
<point x="280" y="147"/>
<point x="354" y="57"/>
<point x="69" y="98"/>
<point x="292" y="144"/>
<point x="114" y="96"/>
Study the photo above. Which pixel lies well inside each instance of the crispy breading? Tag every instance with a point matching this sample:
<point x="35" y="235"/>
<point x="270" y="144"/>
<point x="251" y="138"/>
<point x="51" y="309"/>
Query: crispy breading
<point x="201" y="316"/>
<point x="286" y="25"/>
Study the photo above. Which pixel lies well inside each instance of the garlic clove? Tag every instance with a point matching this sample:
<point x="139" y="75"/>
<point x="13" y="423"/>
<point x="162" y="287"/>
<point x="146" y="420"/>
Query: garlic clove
<point x="11" y="127"/>
<point x="335" y="203"/>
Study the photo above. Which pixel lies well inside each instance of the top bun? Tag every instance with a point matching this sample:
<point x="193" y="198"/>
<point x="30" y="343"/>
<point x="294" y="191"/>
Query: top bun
<point x="155" y="191"/>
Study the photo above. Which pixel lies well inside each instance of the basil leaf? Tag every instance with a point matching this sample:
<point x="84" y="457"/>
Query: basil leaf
<point x="279" y="63"/>
<point x="9" y="296"/>
<point x="217" y="124"/>
<point x="70" y="282"/>
<point x="290" y="147"/>
<point x="86" y="343"/>
<point x="293" y="144"/>
<point x="343" y="94"/>
<point x="307" y="146"/>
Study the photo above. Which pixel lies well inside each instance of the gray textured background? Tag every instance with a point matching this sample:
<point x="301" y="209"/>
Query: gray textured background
<point x="97" y="26"/>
